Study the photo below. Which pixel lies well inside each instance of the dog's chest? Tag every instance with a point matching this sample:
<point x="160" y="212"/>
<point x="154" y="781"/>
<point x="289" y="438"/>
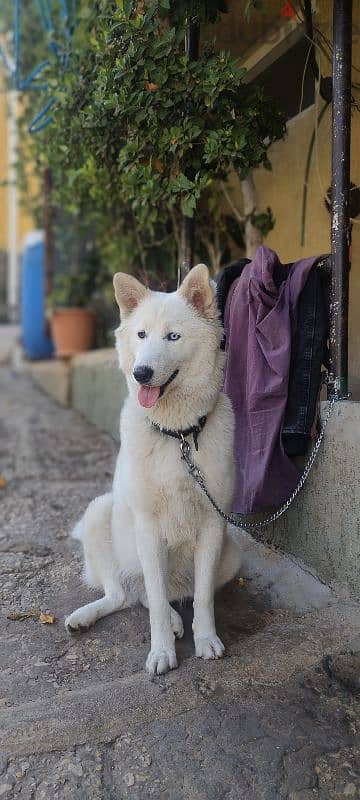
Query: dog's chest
<point x="164" y="489"/>
<point x="153" y="477"/>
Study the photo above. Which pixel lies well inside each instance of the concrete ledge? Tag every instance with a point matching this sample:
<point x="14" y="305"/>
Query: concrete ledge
<point x="284" y="581"/>
<point x="53" y="377"/>
<point x="322" y="527"/>
<point x="90" y="382"/>
<point x="98" y="389"/>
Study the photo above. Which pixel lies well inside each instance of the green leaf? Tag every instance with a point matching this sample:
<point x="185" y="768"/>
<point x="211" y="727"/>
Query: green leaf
<point x="188" y="205"/>
<point x="181" y="184"/>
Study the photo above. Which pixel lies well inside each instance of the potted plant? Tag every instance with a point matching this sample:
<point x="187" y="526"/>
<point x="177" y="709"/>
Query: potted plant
<point x="72" y="322"/>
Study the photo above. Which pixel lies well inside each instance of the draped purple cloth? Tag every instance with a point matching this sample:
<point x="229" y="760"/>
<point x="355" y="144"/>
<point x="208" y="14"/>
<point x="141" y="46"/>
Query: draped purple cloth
<point x="259" y="323"/>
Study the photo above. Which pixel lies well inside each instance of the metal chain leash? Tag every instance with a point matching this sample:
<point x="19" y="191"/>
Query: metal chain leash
<point x="198" y="476"/>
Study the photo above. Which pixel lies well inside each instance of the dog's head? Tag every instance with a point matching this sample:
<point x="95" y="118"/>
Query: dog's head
<point x="168" y="344"/>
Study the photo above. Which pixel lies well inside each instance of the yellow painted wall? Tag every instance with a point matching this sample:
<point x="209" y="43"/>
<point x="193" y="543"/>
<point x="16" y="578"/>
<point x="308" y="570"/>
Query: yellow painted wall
<point x="282" y="189"/>
<point x="25" y="222"/>
<point x="3" y="170"/>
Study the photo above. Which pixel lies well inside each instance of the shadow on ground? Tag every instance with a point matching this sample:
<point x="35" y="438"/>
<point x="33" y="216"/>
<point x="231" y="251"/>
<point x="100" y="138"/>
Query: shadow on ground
<point x="240" y="613"/>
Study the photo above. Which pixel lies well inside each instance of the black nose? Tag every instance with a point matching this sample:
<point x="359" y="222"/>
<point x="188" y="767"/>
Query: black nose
<point x="143" y="374"/>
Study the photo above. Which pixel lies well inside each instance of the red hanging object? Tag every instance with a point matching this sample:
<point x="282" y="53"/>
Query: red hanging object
<point x="287" y="10"/>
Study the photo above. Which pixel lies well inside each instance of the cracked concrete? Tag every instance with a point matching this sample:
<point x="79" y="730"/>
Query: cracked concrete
<point x="79" y="718"/>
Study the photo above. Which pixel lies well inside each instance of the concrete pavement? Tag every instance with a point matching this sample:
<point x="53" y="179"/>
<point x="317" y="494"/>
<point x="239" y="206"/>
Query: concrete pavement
<point x="79" y="718"/>
<point x="9" y="338"/>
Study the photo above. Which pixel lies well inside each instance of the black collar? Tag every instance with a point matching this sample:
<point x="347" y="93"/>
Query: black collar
<point x="182" y="434"/>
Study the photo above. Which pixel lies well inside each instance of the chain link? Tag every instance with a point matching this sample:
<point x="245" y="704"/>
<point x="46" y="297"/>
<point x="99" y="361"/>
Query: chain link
<point x="198" y="476"/>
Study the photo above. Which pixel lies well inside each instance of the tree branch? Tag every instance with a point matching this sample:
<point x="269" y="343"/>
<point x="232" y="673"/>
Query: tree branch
<point x="240" y="218"/>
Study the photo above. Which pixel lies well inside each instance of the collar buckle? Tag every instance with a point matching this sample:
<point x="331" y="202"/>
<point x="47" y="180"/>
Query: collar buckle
<point x="184" y="447"/>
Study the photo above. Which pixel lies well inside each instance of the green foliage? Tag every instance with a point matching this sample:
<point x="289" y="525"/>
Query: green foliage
<point x="141" y="134"/>
<point x="69" y="291"/>
<point x="264" y="221"/>
<point x="80" y="276"/>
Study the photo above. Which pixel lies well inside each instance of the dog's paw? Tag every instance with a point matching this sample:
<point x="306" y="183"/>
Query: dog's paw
<point x="160" y="661"/>
<point x="78" y="621"/>
<point x="209" y="647"/>
<point x="176" y="623"/>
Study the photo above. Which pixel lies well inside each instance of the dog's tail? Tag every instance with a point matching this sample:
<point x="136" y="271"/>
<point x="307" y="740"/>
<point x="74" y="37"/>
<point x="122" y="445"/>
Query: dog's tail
<point x="78" y="530"/>
<point x="98" y="512"/>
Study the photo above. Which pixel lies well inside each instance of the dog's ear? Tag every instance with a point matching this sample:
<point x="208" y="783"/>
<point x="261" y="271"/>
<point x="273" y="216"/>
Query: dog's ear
<point x="198" y="291"/>
<point x="129" y="292"/>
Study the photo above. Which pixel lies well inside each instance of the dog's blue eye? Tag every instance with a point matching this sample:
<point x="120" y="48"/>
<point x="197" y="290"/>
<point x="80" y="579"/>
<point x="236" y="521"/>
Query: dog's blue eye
<point x="173" y="337"/>
<point x="141" y="334"/>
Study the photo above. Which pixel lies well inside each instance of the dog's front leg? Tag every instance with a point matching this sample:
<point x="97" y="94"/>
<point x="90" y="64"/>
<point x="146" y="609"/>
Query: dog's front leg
<point x="153" y="555"/>
<point x="207" y="553"/>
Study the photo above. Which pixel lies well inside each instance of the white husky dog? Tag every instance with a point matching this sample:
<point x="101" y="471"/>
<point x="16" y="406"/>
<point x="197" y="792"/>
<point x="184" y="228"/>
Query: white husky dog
<point x="156" y="538"/>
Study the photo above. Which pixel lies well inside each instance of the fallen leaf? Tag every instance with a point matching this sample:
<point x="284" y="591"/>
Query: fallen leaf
<point x="159" y="166"/>
<point x="241" y="581"/>
<point x="3" y="482"/>
<point x="20" y="615"/>
<point x="47" y="619"/>
<point x="151" y="87"/>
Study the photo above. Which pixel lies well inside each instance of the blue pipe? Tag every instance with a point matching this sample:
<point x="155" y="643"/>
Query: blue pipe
<point x="33" y="127"/>
<point x="17" y="41"/>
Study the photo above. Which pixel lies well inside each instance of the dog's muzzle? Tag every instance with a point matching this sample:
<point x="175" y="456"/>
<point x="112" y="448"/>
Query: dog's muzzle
<point x="143" y="374"/>
<point x="165" y="385"/>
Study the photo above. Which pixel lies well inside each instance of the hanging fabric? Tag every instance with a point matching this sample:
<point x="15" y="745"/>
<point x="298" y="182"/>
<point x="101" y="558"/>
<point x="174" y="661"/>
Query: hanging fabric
<point x="261" y="322"/>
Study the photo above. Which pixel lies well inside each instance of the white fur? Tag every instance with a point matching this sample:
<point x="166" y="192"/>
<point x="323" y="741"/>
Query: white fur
<point x="155" y="538"/>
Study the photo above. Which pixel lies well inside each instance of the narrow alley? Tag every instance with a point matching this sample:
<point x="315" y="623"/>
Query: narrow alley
<point x="80" y="718"/>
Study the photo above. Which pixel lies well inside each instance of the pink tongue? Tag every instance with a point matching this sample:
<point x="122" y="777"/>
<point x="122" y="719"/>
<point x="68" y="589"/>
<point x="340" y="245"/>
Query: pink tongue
<point x="148" y="396"/>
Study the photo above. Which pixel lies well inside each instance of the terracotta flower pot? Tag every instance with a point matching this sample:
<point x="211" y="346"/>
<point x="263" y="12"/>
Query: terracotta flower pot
<point x="73" y="330"/>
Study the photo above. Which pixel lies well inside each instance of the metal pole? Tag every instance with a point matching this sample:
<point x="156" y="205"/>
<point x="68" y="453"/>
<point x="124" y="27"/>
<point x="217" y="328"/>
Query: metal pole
<point x="192" y="39"/>
<point x="340" y="221"/>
